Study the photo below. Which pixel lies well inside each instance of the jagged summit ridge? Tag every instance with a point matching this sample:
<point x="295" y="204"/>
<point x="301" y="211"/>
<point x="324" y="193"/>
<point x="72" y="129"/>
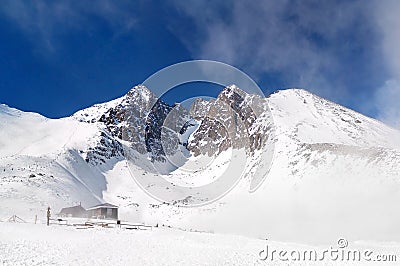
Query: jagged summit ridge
<point x="139" y="117"/>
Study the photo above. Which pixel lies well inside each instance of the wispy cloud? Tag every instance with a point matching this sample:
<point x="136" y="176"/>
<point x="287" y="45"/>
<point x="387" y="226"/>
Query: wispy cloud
<point x="387" y="97"/>
<point x="300" y="40"/>
<point x="44" y="21"/>
<point x="333" y="48"/>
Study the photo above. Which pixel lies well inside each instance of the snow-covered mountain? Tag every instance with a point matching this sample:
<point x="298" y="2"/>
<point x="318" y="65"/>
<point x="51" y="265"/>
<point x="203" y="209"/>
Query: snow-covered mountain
<point x="313" y="170"/>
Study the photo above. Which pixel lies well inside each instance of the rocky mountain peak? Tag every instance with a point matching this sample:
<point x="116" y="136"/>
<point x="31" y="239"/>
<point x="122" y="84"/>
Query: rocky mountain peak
<point x="141" y="92"/>
<point x="234" y="119"/>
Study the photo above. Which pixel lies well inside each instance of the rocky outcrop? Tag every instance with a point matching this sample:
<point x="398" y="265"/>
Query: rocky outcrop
<point x="235" y="119"/>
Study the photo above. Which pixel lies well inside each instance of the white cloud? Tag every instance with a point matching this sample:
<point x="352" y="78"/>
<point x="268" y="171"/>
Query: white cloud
<point x="387" y="97"/>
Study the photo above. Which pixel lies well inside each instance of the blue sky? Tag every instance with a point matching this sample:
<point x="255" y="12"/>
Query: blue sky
<point x="60" y="56"/>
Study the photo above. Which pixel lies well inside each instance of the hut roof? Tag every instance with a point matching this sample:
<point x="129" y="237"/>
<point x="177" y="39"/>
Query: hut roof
<point x="103" y="205"/>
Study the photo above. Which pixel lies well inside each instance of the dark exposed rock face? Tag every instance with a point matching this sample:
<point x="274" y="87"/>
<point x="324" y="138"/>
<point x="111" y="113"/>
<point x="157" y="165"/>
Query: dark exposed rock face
<point x="127" y="119"/>
<point x="107" y="148"/>
<point x="163" y="124"/>
<point x="148" y="124"/>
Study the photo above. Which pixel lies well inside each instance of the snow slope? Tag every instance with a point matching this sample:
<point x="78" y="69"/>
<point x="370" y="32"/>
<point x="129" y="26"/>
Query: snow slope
<point x="41" y="165"/>
<point x="30" y="244"/>
<point x="308" y="118"/>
